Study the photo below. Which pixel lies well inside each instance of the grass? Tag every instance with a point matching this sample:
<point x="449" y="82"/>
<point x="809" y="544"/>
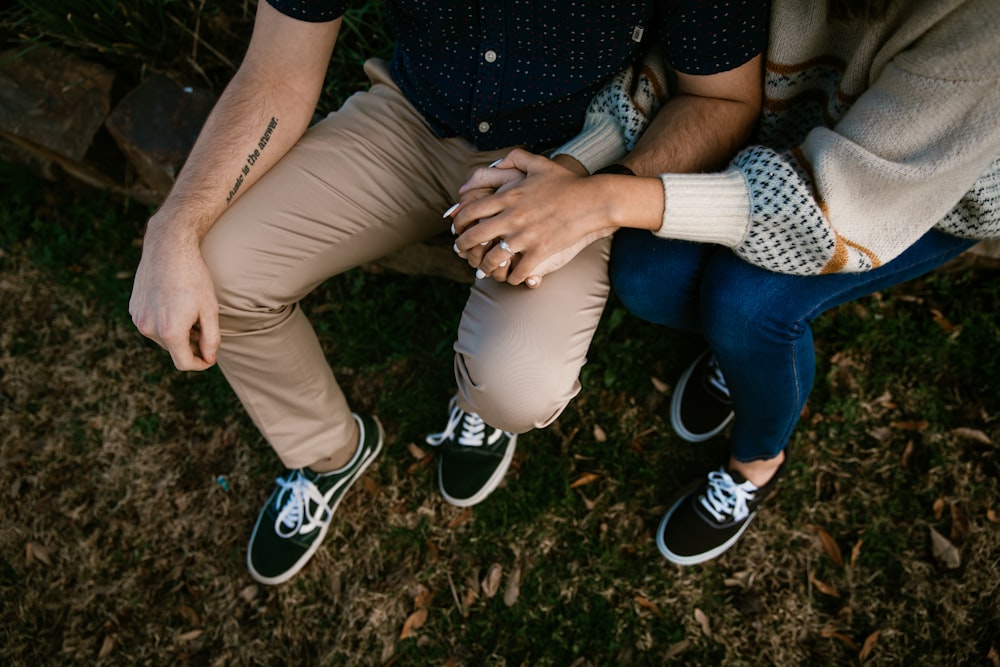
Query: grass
<point x="131" y="487"/>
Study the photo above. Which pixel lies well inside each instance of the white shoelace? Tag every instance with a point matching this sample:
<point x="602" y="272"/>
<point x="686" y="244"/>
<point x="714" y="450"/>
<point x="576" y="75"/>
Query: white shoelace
<point x="473" y="431"/>
<point x="725" y="499"/>
<point x="715" y="377"/>
<point x="296" y="499"/>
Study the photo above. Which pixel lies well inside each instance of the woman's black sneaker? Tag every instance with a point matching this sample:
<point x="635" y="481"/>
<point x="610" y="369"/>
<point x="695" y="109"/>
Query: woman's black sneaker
<point x="705" y="522"/>
<point x="701" y="407"/>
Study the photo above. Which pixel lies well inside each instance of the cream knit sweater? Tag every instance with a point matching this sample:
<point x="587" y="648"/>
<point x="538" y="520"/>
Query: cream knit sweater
<point x="871" y="135"/>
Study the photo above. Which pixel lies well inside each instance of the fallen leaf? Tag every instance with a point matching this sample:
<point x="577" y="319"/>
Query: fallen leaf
<point x="34" y="551"/>
<point x="248" y="593"/>
<point x="938" y="508"/>
<point x="855" y="552"/>
<point x="107" y="646"/>
<point x="491" y="582"/>
<point x="646" y="604"/>
<point x="423" y="597"/>
<point x="944" y="550"/>
<point x="460" y="519"/>
<point x="599" y="434"/>
<point x="371" y="486"/>
<point x="659" y="385"/>
<point x="415" y="451"/>
<point x="830" y="546"/>
<point x="513" y="588"/>
<point x="841" y="637"/>
<point x="190" y="635"/>
<point x="585" y="478"/>
<point x="413" y="623"/>
<point x="702" y="619"/>
<point x="676" y="649"/>
<point x="991" y="516"/>
<point x="904" y="460"/>
<point x="880" y="433"/>
<point x="823" y="587"/>
<point x="959" y="523"/>
<point x="994" y="656"/>
<point x="972" y="434"/>
<point x="915" y="425"/>
<point x="869" y="645"/>
<point x="942" y="321"/>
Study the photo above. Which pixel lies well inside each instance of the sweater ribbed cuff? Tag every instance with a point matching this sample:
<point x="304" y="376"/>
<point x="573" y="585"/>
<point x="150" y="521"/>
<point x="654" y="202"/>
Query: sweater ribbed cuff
<point x="707" y="208"/>
<point x="599" y="143"/>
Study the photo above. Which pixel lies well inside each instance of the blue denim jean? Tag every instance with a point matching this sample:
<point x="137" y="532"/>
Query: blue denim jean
<point x="757" y="322"/>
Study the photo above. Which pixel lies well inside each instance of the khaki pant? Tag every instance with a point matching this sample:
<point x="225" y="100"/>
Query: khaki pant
<point x="368" y="180"/>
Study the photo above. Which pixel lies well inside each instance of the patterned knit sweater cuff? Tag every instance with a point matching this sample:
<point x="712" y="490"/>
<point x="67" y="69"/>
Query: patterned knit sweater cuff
<point x="599" y="144"/>
<point x="707" y="208"/>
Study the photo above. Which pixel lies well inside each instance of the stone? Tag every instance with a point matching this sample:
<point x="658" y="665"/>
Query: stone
<point x="52" y="103"/>
<point x="156" y="125"/>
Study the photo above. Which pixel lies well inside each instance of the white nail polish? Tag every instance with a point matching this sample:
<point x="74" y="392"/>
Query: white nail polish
<point x="479" y="274"/>
<point x="485" y="243"/>
<point x="495" y="163"/>
<point x="454" y="246"/>
<point x="531" y="282"/>
<point x="503" y="263"/>
<point x="451" y="209"/>
<point x="453" y="228"/>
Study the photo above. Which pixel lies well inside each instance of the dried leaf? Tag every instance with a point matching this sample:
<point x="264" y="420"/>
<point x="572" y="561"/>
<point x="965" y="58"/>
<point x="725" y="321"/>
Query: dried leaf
<point x="371" y="486"/>
<point x="959" y="523"/>
<point x="190" y="635"/>
<point x="880" y="433"/>
<point x="913" y="425"/>
<point x="659" y="385"/>
<point x="830" y="546"/>
<point x="599" y="434"/>
<point x="907" y="454"/>
<point x="841" y="637"/>
<point x="34" y="551"/>
<point x="460" y="519"/>
<point x="513" y="588"/>
<point x="942" y="321"/>
<point x="585" y="478"/>
<point x="944" y="550"/>
<point x="415" y="451"/>
<point x="869" y="645"/>
<point x="491" y="582"/>
<point x="702" y="619"/>
<point x="249" y="593"/>
<point x="413" y="623"/>
<point x="973" y="434"/>
<point x="994" y="656"/>
<point x="823" y="587"/>
<point x="856" y="552"/>
<point x="938" y="508"/>
<point x="646" y="604"/>
<point x="991" y="516"/>
<point x="423" y="597"/>
<point x="107" y="646"/>
<point x="676" y="649"/>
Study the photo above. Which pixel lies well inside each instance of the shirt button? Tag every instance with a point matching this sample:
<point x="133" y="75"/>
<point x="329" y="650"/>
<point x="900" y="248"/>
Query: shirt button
<point x="490" y="56"/>
<point x="484" y="127"/>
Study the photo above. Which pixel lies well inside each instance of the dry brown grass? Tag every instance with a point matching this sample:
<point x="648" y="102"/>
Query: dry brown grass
<point x="119" y="547"/>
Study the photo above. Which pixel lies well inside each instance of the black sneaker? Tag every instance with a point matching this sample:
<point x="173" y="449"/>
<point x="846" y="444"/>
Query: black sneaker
<point x="701" y="406"/>
<point x="705" y="522"/>
<point x="296" y="517"/>
<point x="474" y="457"/>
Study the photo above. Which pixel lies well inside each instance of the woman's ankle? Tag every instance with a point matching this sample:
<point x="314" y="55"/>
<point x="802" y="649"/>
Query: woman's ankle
<point x="761" y="471"/>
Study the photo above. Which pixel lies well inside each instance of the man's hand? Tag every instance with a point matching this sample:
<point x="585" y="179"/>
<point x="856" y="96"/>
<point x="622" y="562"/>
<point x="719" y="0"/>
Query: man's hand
<point x="173" y="301"/>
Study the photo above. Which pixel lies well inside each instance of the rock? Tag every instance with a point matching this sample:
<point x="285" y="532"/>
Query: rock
<point x="52" y="101"/>
<point x="156" y="125"/>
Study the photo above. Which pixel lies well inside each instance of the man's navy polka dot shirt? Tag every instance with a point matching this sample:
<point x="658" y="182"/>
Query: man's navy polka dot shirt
<point x="521" y="72"/>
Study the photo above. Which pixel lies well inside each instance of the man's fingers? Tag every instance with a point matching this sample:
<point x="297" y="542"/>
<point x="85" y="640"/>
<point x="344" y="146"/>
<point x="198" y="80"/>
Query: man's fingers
<point x="209" y="338"/>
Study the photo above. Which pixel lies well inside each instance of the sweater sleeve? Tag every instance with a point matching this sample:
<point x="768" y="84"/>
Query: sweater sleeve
<point x="619" y="113"/>
<point x="917" y="150"/>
